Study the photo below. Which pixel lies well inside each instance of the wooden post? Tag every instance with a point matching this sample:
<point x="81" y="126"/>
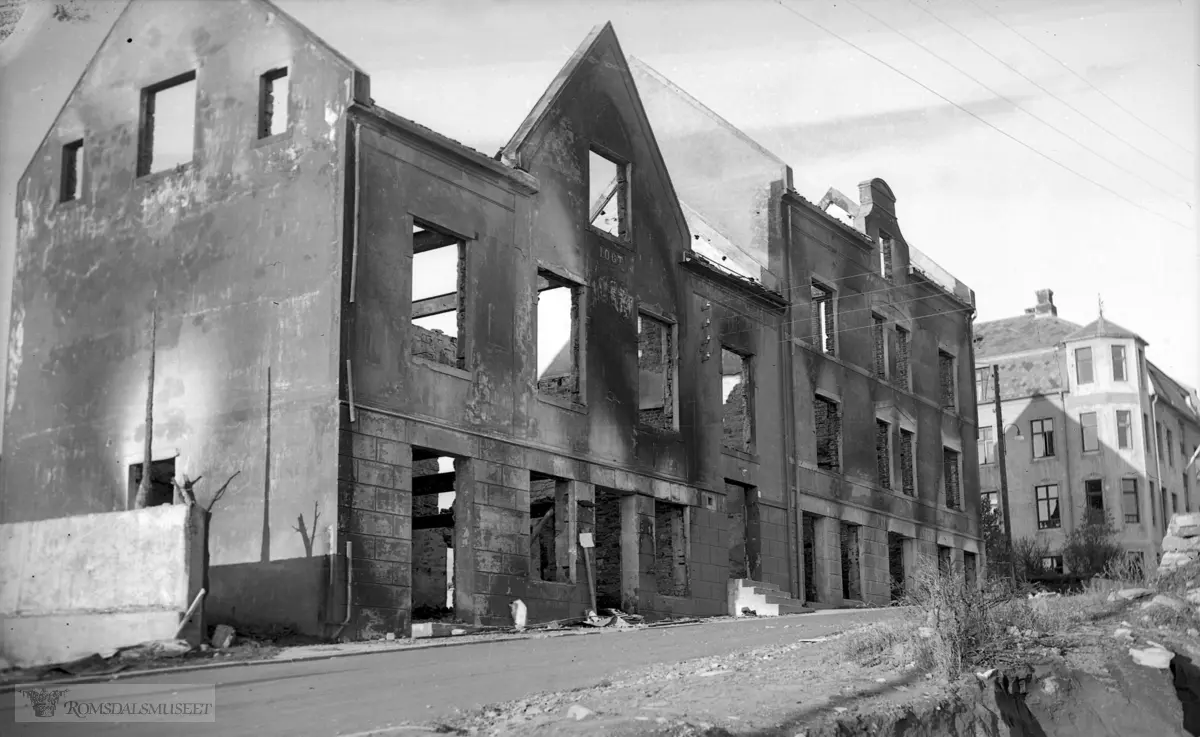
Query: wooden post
<point x="1003" y="463"/>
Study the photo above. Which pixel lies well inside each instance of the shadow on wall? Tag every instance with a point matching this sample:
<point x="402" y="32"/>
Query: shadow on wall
<point x="292" y="592"/>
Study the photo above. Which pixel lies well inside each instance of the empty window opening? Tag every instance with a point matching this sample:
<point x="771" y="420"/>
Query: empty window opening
<point x="945" y="560"/>
<point x="851" y="563"/>
<point x="1174" y="503"/>
<point x="827" y="421"/>
<point x="656" y="373"/>
<point x="741" y="509"/>
<point x="886" y="246"/>
<point x="879" y="346"/>
<point x="823" y="332"/>
<point x="550" y="542"/>
<point x="608" y="548"/>
<point x="1146" y="432"/>
<point x="1048" y="514"/>
<point x="950" y="472"/>
<point x="983" y="385"/>
<point x="1093" y="490"/>
<point x="970" y="569"/>
<point x="896" y="569"/>
<point x="1053" y="564"/>
<point x="162" y="482"/>
<point x="989" y="500"/>
<point x="1124" y="429"/>
<point x="1083" y="366"/>
<point x="737" y="424"/>
<point x="71" y="185"/>
<point x="1089" y="432"/>
<point x="883" y="453"/>
<point x="902" y="352"/>
<point x="1170" y="448"/>
<point x="1153" y="508"/>
<point x="168" y="131"/>
<point x="608" y="195"/>
<point x="670" y="548"/>
<point x="273" y="103"/>
<point x="438" y="296"/>
<point x="1129" y="501"/>
<point x="1043" y="438"/>
<point x="908" y="483"/>
<point x="1118" y="363"/>
<point x="558" y="337"/>
<point x="1165" y="517"/>
<point x="809" y="525"/>
<point x="946" y="379"/>
<point x="433" y="495"/>
<point x="1158" y="441"/>
<point x="986" y="445"/>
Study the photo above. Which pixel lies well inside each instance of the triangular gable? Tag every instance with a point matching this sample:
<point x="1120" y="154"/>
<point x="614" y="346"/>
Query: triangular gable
<point x="267" y="5"/>
<point x="598" y="41"/>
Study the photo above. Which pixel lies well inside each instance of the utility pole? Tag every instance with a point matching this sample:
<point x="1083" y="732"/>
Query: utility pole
<point x="1003" y="463"/>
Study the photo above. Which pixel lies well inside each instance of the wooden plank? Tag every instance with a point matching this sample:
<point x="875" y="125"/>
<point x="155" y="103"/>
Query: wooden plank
<point x="435" y="483"/>
<point x="433" y="521"/>
<point x="435" y="305"/>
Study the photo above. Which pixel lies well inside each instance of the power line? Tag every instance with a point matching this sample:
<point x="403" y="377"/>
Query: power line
<point x="980" y="119"/>
<point x="1012" y="102"/>
<point x="1085" y="80"/>
<point x="1082" y="114"/>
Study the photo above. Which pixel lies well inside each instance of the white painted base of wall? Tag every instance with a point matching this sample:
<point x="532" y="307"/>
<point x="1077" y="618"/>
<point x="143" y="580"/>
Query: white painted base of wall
<point x="60" y="638"/>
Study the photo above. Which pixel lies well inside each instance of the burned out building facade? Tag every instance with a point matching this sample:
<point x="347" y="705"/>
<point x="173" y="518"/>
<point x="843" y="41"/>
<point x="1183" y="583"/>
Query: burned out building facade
<point x="417" y="379"/>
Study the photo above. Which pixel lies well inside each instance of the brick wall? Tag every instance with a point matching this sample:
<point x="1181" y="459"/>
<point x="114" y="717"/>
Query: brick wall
<point x="828" y="425"/>
<point x="903" y="339"/>
<point x="375" y="516"/>
<point x="883" y="460"/>
<point x="877" y="349"/>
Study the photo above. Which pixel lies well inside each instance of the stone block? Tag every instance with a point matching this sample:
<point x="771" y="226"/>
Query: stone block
<point x="392" y="549"/>
<point x="380" y="425"/>
<point x="1175" y="559"/>
<point x="1171" y="543"/>
<point x="394" y="453"/>
<point x="374" y="474"/>
<point x="1181" y="524"/>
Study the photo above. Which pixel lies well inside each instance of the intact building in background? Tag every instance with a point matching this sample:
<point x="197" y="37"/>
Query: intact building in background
<point x="1092" y="427"/>
<point x="420" y="374"/>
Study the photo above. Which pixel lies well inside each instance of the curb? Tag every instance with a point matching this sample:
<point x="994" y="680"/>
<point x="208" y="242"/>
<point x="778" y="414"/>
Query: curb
<point x="450" y="642"/>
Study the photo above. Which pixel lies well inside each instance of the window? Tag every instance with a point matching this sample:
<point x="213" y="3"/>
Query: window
<point x="558" y="337"/>
<point x="989" y="500"/>
<point x="608" y="195"/>
<point x="902" y="348"/>
<point x="886" y="245"/>
<point x="945" y="560"/>
<point x="670" y="548"/>
<point x="983" y="385"/>
<point x="1174" y="503"/>
<point x="737" y="396"/>
<point x="1089" y="431"/>
<point x="1118" y="363"/>
<point x="71" y="184"/>
<point x="823" y="333"/>
<point x="438" y="296"/>
<point x="1043" y="438"/>
<point x="656" y="373"/>
<point x="1124" y="429"/>
<point x="162" y="483"/>
<point x="828" y="423"/>
<point x="273" y="103"/>
<point x="1048" y="516"/>
<point x="168" y="129"/>
<point x="883" y="453"/>
<point x="987" y="446"/>
<point x="908" y="483"/>
<point x="950" y="473"/>
<point x="1083" y="366"/>
<point x="1153" y="507"/>
<point x="1129" y="501"/>
<point x="1170" y="448"/>
<point x="1146" y="432"/>
<point x="1053" y="564"/>
<point x="879" y="346"/>
<point x="1158" y="439"/>
<point x="946" y="378"/>
<point x="1187" y="495"/>
<point x="1093" y="493"/>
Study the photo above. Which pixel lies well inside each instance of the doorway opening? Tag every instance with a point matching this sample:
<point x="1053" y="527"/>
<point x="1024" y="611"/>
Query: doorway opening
<point x="809" y="527"/>
<point x="608" y="548"/>
<point x="851" y="574"/>
<point x="896" y="565"/>
<point x="433" y="507"/>
<point x="740" y="507"/>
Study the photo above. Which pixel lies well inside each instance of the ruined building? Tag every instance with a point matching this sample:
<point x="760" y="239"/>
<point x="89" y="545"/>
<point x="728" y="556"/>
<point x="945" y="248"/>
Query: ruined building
<point x="420" y="375"/>
<point x="1092" y="427"/>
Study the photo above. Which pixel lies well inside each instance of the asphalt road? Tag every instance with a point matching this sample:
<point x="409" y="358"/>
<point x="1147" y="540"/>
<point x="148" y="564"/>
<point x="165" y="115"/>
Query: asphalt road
<point x="359" y="693"/>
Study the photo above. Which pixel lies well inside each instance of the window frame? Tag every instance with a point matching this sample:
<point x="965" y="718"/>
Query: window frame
<point x="824" y="326"/>
<point x="1091" y="366"/>
<point x="1125" y="442"/>
<point x="71" y="170"/>
<point x="986" y="446"/>
<point x="622" y="193"/>
<point x="1053" y="518"/>
<point x="1123" y="364"/>
<point x="557" y="281"/>
<point x="1038" y="428"/>
<point x="1083" y="431"/>
<point x="1127" y="494"/>
<point x="147" y="123"/>
<point x="266" y="111"/>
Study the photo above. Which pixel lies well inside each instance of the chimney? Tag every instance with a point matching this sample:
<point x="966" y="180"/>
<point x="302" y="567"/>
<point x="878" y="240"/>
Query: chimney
<point x="1045" y="304"/>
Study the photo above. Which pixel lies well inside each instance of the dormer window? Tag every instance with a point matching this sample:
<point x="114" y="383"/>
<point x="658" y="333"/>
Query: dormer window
<point x="608" y="195"/>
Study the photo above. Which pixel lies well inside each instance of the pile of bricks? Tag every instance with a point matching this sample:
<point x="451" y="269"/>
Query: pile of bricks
<point x="1181" y="546"/>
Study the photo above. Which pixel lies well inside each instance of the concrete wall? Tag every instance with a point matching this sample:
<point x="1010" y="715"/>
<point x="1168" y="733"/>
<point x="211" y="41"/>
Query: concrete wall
<point x="73" y="586"/>
<point x="242" y="248"/>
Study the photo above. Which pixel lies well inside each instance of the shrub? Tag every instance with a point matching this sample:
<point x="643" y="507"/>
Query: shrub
<point x="1091" y="547"/>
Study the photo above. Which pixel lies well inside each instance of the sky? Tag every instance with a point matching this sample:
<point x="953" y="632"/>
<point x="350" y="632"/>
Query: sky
<point x="1082" y="180"/>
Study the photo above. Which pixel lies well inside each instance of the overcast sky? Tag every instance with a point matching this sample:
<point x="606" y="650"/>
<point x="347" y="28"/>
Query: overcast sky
<point x="998" y="215"/>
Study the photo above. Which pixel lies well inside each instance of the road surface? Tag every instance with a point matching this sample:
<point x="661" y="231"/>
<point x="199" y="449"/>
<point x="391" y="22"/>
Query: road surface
<point x="359" y="693"/>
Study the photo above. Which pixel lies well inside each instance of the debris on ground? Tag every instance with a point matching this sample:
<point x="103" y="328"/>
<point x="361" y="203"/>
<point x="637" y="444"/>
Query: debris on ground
<point x="222" y="636"/>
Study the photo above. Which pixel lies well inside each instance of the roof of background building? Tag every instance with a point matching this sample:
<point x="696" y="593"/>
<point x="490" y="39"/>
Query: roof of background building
<point x="1102" y="328"/>
<point x="1021" y="334"/>
<point x="1179" y="397"/>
